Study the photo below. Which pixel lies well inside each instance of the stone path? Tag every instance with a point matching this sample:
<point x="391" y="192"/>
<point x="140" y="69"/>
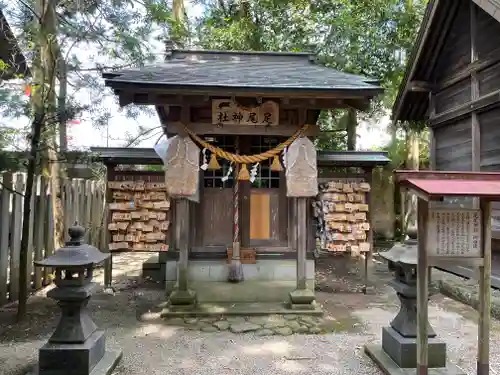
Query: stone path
<point x="282" y="325"/>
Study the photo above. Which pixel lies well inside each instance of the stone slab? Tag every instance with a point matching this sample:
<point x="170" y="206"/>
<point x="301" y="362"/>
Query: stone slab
<point x="389" y="367"/>
<point x="239" y="309"/>
<point x="263" y="270"/>
<point x="403" y="350"/>
<point x="105" y="366"/>
<point x="246" y="291"/>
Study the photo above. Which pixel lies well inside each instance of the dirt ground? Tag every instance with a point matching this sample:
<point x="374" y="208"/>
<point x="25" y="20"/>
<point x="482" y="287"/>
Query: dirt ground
<point x="131" y="320"/>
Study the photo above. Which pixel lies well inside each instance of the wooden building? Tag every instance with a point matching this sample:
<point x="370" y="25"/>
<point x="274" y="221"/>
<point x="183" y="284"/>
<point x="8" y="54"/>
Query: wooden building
<point x="189" y="89"/>
<point x="452" y="82"/>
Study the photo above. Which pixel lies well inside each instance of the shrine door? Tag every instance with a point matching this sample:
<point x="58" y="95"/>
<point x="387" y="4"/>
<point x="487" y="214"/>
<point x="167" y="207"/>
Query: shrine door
<point x="268" y="203"/>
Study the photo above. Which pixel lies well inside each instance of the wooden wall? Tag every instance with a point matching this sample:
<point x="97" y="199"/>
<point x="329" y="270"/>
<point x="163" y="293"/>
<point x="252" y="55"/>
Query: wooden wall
<point x="464" y="111"/>
<point x="454" y="146"/>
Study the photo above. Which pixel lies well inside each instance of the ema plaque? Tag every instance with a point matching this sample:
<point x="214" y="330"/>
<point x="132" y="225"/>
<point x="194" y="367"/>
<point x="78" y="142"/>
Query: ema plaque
<point x="454" y="233"/>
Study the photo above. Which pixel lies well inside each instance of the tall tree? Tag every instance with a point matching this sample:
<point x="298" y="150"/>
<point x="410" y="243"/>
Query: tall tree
<point x="55" y="35"/>
<point x="367" y="37"/>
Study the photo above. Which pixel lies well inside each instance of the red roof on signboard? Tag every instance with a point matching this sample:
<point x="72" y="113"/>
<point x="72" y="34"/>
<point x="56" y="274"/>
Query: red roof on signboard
<point x="453" y="187"/>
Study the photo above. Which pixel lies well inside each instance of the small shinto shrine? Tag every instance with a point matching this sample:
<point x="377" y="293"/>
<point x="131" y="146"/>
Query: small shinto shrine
<point x="241" y="171"/>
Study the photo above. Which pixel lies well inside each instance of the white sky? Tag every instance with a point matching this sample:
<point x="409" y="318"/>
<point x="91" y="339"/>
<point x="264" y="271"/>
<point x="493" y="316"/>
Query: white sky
<point x="84" y="135"/>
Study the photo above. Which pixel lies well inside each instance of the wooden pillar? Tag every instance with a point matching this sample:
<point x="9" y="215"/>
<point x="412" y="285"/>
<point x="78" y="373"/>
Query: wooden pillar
<point x="302" y="243"/>
<point x="484" y="310"/>
<point x="302" y="297"/>
<point x="181" y="294"/>
<point x="422" y="289"/>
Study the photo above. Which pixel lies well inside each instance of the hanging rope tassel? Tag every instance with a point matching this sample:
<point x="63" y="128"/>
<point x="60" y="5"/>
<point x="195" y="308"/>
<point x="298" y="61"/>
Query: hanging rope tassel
<point x="243" y="175"/>
<point x="276" y="165"/>
<point x="214" y="164"/>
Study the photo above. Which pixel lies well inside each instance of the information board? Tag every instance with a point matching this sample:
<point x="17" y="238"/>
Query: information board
<point x="454" y="233"/>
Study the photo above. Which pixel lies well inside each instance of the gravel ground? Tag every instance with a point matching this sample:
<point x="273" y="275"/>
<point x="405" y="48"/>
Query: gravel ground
<point x="152" y="347"/>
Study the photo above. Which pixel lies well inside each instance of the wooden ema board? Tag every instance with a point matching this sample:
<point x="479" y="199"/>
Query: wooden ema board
<point x="138" y="219"/>
<point x="342" y="212"/>
<point x="260" y="212"/>
<point x="454" y="233"/>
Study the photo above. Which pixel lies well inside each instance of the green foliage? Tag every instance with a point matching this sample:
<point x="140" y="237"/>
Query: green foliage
<point x="366" y="37"/>
<point x="92" y="36"/>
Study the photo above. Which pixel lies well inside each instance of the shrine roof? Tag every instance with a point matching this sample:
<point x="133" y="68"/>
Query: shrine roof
<point x="242" y="71"/>
<point x="353" y="158"/>
<point x="122" y="155"/>
<point x="431" y="184"/>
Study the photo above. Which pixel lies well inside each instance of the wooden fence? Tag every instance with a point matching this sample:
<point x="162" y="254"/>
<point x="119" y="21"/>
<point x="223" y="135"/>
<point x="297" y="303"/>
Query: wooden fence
<point x="83" y="202"/>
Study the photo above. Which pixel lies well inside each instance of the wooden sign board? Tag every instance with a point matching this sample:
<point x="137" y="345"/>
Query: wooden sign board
<point x="454" y="233"/>
<point x="227" y="112"/>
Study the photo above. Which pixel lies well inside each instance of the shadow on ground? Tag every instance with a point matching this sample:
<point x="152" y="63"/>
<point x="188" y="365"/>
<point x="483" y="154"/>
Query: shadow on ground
<point x="132" y="323"/>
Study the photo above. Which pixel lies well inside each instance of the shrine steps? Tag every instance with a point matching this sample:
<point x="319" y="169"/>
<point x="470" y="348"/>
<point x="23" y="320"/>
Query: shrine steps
<point x="238" y="309"/>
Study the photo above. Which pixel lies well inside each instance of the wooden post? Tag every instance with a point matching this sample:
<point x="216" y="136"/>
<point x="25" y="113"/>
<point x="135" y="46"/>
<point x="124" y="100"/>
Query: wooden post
<point x="302" y="297"/>
<point x="422" y="289"/>
<point x="41" y="217"/>
<point x="181" y="294"/>
<point x="183" y="217"/>
<point x="15" y="236"/>
<point x="5" y="199"/>
<point x="484" y="310"/>
<point x="302" y="243"/>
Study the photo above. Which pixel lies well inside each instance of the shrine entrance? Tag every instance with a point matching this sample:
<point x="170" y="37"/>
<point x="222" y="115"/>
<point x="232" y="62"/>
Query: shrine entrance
<point x="266" y="210"/>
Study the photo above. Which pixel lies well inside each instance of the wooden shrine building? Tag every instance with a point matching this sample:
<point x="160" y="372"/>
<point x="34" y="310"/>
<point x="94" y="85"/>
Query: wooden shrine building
<point x="238" y="112"/>
<point x="452" y="82"/>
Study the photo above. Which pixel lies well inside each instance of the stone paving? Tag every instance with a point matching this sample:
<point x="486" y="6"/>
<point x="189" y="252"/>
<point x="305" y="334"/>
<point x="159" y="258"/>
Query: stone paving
<point x="281" y="325"/>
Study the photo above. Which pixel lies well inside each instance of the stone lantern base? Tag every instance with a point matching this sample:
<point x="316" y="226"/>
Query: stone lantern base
<point x="88" y="358"/>
<point x="389" y="367"/>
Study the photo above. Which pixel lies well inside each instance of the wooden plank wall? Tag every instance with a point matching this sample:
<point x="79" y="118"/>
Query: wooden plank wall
<point x="454" y="146"/>
<point x="467" y="71"/>
<point x="490" y="140"/>
<point x="83" y="202"/>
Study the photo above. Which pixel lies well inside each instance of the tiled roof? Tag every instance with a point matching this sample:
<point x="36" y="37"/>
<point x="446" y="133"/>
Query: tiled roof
<point x="285" y="71"/>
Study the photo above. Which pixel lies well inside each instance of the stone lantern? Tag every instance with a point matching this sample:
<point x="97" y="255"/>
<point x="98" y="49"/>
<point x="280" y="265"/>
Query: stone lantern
<point x="77" y="346"/>
<point x="399" y="340"/>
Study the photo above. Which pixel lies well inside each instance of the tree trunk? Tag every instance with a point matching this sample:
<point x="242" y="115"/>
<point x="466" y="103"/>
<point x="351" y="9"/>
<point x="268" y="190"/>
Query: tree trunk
<point x="42" y="93"/>
<point x="61" y="104"/>
<point x="178" y="34"/>
<point x="352" y="123"/>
